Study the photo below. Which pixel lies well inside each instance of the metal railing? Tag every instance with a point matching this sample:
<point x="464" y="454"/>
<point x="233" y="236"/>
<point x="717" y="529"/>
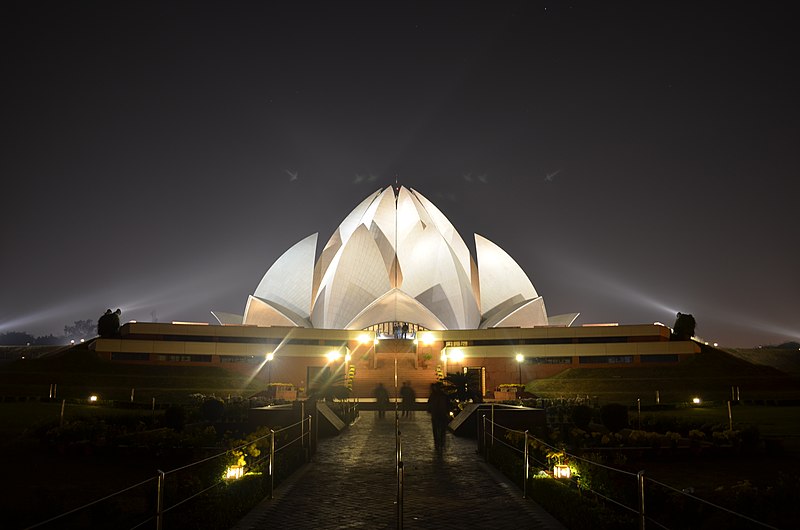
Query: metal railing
<point x="299" y="432"/>
<point x="398" y="445"/>
<point x="632" y="504"/>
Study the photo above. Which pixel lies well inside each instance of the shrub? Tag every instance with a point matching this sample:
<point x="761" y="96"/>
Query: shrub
<point x="175" y="417"/>
<point x="212" y="409"/>
<point x="574" y="510"/>
<point x="581" y="416"/>
<point x="614" y="416"/>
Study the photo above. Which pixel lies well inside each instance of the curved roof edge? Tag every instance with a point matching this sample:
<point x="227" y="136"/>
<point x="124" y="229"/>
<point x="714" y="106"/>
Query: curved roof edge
<point x="396" y="305"/>
<point x="565" y="320"/>
<point x="227" y="318"/>
<point x="263" y="313"/>
<point x="529" y="315"/>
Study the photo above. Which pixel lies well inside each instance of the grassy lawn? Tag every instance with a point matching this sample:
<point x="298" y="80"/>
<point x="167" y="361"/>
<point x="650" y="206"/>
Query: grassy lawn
<point x="16" y="418"/>
<point x="709" y="375"/>
<point x="771" y="421"/>
<point x="79" y="374"/>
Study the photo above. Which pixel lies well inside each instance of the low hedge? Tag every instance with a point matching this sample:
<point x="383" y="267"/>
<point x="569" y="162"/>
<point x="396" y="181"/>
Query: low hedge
<point x="575" y="509"/>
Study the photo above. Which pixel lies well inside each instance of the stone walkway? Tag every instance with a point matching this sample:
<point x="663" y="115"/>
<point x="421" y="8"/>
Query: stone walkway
<point x="351" y="483"/>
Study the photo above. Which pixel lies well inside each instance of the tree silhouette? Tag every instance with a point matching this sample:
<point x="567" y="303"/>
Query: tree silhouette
<point x="80" y="329"/>
<point x="684" y="327"/>
<point x="15" y="338"/>
<point x="464" y="386"/>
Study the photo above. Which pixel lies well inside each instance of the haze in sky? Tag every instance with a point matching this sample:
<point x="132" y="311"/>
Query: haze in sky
<point x="635" y="159"/>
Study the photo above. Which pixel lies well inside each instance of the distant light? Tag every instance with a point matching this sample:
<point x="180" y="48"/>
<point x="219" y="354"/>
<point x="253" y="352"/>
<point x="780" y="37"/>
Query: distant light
<point x="83" y="340"/>
<point x="270" y="356"/>
<point x="520" y="357"/>
<point x="696" y="400"/>
<point x="72" y="341"/>
<point x="427" y="339"/>
<point x="706" y="343"/>
<point x="716" y="344"/>
<point x="457" y="355"/>
<point x="333" y="355"/>
<point x="133" y="322"/>
<point x="93" y="399"/>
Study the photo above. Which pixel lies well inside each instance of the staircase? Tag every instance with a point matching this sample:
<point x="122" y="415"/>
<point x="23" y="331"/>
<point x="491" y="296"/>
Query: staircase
<point x="367" y="378"/>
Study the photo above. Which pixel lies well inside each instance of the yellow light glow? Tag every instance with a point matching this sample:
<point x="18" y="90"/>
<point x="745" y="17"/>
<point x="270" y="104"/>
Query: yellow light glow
<point x="333" y="355"/>
<point x="347" y="357"/>
<point x="427" y="339"/>
<point x="234" y="472"/>
<point x="270" y="356"/>
<point x="561" y="471"/>
<point x="457" y="355"/>
<point x="696" y="400"/>
<point x="443" y="358"/>
<point x="92" y="399"/>
<point x="363" y="338"/>
<point x="520" y="357"/>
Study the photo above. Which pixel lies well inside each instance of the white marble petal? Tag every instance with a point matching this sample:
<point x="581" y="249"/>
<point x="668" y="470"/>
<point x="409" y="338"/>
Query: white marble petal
<point x="501" y="279"/>
<point x="289" y="281"/>
<point x="357" y="276"/>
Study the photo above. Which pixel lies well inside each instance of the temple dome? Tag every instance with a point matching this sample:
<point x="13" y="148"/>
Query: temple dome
<point x="396" y="257"/>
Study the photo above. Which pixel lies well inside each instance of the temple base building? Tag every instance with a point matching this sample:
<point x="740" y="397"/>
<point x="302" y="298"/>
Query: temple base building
<point x="395" y="289"/>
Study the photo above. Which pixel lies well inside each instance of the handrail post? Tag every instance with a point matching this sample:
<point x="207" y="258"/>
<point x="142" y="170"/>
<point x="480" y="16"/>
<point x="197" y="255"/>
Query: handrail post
<point x="485" y="447"/>
<point x="492" y="424"/>
<point x="310" y="451"/>
<point x="640" y="481"/>
<point x="160" y="500"/>
<point x="271" y="463"/>
<point x="302" y="428"/>
<point x="400" y="477"/>
<point x="527" y="468"/>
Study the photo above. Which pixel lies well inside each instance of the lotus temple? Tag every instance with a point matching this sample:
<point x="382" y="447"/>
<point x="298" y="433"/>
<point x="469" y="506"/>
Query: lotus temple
<point x="395" y="288"/>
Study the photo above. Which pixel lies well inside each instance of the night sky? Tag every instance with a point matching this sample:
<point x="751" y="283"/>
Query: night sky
<point x="635" y="159"/>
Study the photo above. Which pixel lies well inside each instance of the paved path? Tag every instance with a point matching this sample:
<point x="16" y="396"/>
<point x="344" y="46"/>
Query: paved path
<point x="351" y="483"/>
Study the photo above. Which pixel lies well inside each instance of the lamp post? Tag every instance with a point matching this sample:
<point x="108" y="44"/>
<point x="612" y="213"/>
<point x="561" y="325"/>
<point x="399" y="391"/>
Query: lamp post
<point x="269" y="358"/>
<point x="520" y="360"/>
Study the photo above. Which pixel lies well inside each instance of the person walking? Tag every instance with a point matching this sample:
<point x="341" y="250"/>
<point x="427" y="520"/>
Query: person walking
<point x="409" y="398"/>
<point x="439" y="409"/>
<point x="381" y="399"/>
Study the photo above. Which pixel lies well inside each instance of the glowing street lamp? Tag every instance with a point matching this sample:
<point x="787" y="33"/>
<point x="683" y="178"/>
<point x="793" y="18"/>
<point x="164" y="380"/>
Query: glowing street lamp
<point x="562" y="471"/>
<point x="269" y="357"/>
<point x="456" y="356"/>
<point x="520" y="360"/>
<point x="234" y="472"/>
